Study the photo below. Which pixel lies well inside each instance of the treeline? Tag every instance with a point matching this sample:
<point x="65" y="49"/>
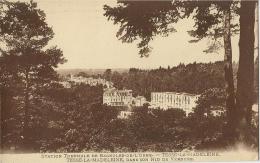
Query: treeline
<point x="191" y="78"/>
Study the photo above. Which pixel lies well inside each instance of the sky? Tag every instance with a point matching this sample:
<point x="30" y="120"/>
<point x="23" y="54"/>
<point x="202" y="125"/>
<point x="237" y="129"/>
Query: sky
<point x="88" y="40"/>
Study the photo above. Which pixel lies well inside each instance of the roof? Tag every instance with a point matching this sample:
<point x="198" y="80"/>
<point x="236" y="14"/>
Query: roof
<point x="117" y="91"/>
<point x="139" y="97"/>
<point x="177" y="93"/>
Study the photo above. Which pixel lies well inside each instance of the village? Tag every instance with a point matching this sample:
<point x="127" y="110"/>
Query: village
<point x="126" y="101"/>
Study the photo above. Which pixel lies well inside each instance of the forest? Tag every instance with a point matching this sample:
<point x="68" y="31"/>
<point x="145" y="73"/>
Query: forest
<point x="194" y="78"/>
<point x="75" y="120"/>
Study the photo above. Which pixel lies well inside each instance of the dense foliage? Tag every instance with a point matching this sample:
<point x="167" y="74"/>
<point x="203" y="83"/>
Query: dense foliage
<point x="27" y="65"/>
<point x="191" y="78"/>
<point x="74" y="120"/>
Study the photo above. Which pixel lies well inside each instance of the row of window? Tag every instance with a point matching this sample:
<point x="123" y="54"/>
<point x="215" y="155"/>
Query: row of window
<point x="116" y="103"/>
<point x="117" y="94"/>
<point x="116" y="99"/>
<point x="171" y="99"/>
<point x="171" y="104"/>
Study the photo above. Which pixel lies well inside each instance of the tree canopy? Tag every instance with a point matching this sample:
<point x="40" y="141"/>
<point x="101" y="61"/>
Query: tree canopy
<point x="146" y="19"/>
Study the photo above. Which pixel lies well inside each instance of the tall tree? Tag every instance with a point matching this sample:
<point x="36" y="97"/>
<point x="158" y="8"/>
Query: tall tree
<point x="245" y="76"/>
<point x="230" y="94"/>
<point x="107" y="74"/>
<point x="24" y="35"/>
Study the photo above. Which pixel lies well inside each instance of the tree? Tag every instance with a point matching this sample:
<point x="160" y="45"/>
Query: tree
<point x="107" y="74"/>
<point x="230" y="94"/>
<point x="245" y="76"/>
<point x="256" y="79"/>
<point x="143" y="20"/>
<point x="25" y="34"/>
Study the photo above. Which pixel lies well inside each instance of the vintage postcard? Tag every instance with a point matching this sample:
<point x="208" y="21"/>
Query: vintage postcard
<point x="145" y="81"/>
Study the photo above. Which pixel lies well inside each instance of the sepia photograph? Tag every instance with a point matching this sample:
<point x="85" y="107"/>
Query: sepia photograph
<point x="129" y="80"/>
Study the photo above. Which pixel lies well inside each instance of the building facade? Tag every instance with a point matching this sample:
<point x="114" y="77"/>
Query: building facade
<point x="166" y="100"/>
<point x="91" y="81"/>
<point x="124" y="114"/>
<point x="139" y="101"/>
<point x="122" y="98"/>
<point x="114" y="97"/>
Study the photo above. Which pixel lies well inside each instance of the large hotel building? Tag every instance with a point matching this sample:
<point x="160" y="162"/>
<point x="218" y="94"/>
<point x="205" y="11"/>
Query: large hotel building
<point x="166" y="100"/>
<point x="114" y="97"/>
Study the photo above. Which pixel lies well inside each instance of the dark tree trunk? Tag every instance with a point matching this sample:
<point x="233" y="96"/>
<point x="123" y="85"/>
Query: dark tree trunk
<point x="26" y="114"/>
<point x="2" y="96"/>
<point x="229" y="81"/>
<point x="6" y="106"/>
<point x="245" y="76"/>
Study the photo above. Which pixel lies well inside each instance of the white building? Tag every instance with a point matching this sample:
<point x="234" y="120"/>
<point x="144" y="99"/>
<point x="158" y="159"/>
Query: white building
<point x="139" y="101"/>
<point x="166" y="100"/>
<point x="114" y="97"/>
<point x="255" y="115"/>
<point x="124" y="114"/>
<point x="65" y="84"/>
<point x="91" y="81"/>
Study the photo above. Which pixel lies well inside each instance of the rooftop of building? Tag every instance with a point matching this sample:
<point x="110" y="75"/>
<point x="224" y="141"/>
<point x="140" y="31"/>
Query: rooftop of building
<point x="112" y="90"/>
<point x="177" y="93"/>
<point x="139" y="97"/>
